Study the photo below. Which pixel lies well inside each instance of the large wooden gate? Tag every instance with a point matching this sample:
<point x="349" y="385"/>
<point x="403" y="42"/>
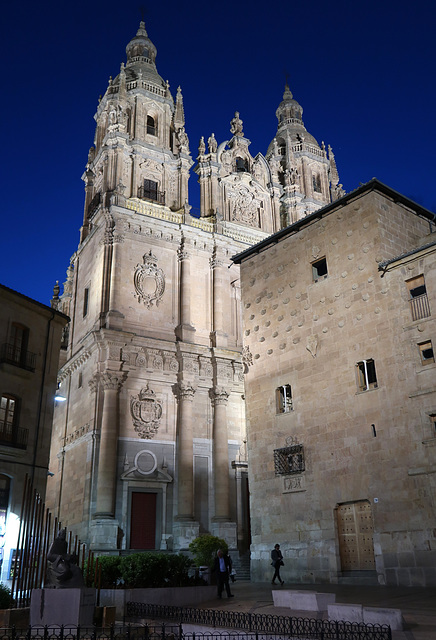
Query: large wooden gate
<point x="355" y="531"/>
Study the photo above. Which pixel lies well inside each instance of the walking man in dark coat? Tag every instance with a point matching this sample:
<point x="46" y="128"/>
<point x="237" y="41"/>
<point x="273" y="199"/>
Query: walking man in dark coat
<point x="277" y="562"/>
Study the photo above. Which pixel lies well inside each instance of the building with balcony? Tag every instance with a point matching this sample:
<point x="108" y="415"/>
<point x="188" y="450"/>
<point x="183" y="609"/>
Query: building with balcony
<point x="30" y="335"/>
<point x="340" y="329"/>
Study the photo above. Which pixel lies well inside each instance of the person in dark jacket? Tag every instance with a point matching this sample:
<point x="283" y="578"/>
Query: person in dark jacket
<point x="277" y="562"/>
<point x="222" y="566"/>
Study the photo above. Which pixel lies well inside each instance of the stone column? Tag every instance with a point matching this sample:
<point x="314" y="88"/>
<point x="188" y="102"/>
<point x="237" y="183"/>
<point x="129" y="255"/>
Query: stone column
<point x="185" y="395"/>
<point x="185" y="529"/>
<point x="185" y="331"/>
<point x="107" y="459"/>
<point x="220" y="301"/>
<point x="220" y="454"/>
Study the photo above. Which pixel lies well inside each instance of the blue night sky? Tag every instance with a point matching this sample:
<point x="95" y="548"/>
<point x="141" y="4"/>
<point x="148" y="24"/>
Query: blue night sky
<point x="364" y="73"/>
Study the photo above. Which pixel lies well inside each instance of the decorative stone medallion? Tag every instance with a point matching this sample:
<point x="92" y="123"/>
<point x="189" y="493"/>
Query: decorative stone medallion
<point x="149" y="281"/>
<point x="146" y="412"/>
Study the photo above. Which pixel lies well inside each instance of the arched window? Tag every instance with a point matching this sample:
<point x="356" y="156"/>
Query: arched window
<point x="241" y="164"/>
<point x="316" y="180"/>
<point x="151" y="126"/>
<point x="282" y="150"/>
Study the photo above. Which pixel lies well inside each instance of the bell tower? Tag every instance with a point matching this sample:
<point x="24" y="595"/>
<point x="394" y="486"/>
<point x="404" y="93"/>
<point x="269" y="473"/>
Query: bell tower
<point x="306" y="172"/>
<point x="141" y="149"/>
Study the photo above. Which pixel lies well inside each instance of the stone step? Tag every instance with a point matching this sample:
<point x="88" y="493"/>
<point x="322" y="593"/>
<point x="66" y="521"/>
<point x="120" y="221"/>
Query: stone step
<point x="241" y="565"/>
<point x="358" y="577"/>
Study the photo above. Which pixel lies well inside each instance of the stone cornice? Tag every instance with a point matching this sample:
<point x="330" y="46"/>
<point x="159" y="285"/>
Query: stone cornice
<point x="73" y="365"/>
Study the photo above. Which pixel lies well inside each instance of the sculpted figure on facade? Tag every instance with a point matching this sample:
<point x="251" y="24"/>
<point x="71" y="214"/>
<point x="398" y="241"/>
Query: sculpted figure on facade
<point x="182" y="140"/>
<point x="201" y="147"/>
<point x="212" y="143"/>
<point x="236" y="125"/>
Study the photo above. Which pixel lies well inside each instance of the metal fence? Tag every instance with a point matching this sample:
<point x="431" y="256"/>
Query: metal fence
<point x="265" y="625"/>
<point x="113" y="632"/>
<point x="318" y="629"/>
<point x="36" y="533"/>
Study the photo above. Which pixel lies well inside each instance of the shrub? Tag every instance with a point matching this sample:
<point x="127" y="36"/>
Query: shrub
<point x="110" y="567"/>
<point x="204" y="549"/>
<point x="144" y="570"/>
<point x="5" y="596"/>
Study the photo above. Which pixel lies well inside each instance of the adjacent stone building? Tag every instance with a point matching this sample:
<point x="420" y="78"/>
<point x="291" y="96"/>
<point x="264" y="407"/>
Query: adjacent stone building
<point x="339" y="326"/>
<point x="29" y="359"/>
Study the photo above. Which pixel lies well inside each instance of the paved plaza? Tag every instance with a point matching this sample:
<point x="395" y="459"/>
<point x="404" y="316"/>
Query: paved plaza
<point x="418" y="604"/>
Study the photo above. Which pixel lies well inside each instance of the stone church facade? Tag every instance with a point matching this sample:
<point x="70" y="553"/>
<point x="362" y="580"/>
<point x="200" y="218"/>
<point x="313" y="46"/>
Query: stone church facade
<point x="149" y="448"/>
<point x="340" y="328"/>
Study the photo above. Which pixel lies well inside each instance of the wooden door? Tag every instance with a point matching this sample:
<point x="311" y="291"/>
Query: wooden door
<point x="143" y="521"/>
<point x="355" y="530"/>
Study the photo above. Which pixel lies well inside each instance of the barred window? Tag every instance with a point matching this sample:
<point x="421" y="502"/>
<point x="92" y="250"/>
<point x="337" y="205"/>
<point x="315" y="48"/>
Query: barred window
<point x="419" y="304"/>
<point x="289" y="460"/>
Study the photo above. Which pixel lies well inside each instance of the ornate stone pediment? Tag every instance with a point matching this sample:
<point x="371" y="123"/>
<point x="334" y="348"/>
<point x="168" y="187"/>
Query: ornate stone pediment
<point x="146" y="411"/>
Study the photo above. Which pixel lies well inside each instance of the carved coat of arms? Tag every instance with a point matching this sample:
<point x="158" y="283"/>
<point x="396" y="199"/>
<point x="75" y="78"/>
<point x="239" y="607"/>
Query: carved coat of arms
<point x="146" y="412"/>
<point x="145" y="271"/>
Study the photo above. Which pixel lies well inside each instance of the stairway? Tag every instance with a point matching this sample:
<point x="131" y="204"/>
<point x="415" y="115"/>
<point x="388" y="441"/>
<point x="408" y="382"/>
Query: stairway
<point x="241" y="564"/>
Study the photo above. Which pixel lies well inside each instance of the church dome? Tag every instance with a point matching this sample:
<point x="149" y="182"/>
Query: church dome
<point x="141" y="56"/>
<point x="290" y="123"/>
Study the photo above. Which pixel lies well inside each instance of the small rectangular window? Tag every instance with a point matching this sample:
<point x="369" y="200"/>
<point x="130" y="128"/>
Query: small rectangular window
<point x="284" y="399"/>
<point x="319" y="269"/>
<point x="366" y="376"/>
<point x="433" y="423"/>
<point x="79" y="380"/>
<point x="85" y="301"/>
<point x="426" y="352"/>
<point x="419" y="304"/>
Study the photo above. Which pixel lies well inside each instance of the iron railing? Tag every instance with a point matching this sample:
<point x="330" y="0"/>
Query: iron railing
<point x="254" y="623"/>
<point x="420" y="307"/>
<point x="12" y="436"/>
<point x="22" y="358"/>
<point x="151" y="195"/>
<point x="112" y="632"/>
<point x="35" y="535"/>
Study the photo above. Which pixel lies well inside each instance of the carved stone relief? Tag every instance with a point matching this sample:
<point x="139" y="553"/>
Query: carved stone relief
<point x="243" y="206"/>
<point x="146" y="412"/>
<point x="149" y="270"/>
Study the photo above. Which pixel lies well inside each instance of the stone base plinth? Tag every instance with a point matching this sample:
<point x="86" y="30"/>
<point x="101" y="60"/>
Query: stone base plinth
<point x="184" y="532"/>
<point x="227" y="531"/>
<point x="103" y="534"/>
<point x="68" y="607"/>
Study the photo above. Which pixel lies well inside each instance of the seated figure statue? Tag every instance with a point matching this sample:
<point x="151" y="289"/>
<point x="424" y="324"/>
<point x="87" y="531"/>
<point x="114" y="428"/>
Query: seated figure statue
<point x="63" y="571"/>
